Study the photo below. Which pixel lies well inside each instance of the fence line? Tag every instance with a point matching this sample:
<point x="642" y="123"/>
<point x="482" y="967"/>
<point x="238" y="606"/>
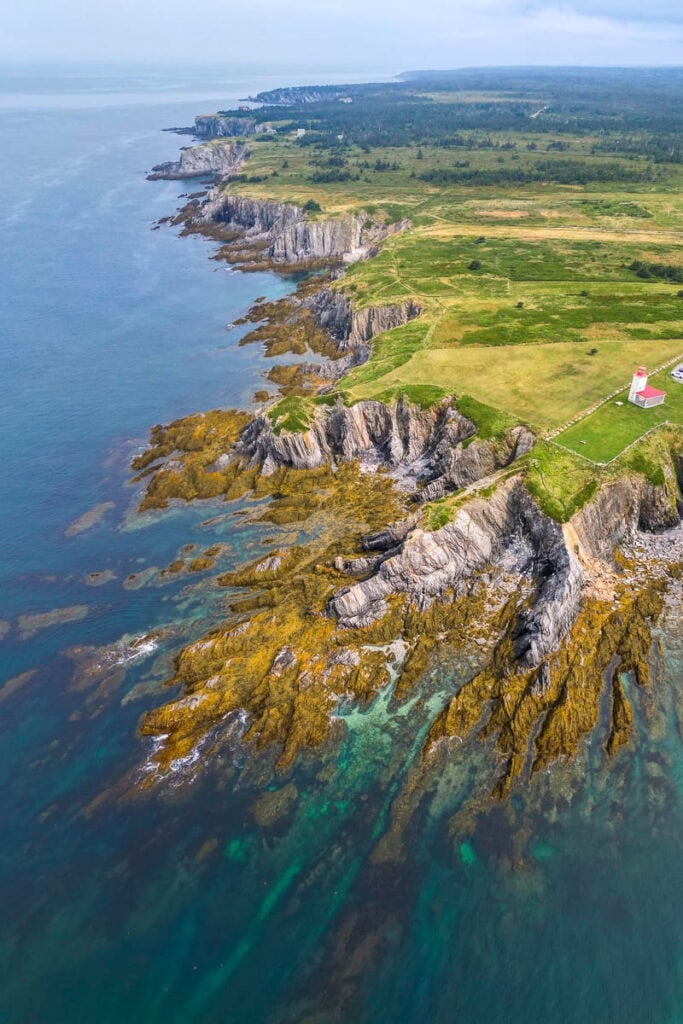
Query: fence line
<point x="603" y="465"/>
<point x="587" y="412"/>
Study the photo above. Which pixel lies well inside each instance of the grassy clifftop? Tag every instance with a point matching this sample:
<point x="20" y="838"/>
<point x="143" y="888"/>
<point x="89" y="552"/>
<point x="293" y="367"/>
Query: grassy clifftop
<point x="546" y="240"/>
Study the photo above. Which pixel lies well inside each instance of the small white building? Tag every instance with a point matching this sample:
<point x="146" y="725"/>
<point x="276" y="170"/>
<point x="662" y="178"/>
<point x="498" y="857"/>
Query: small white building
<point x="641" y="393"/>
<point x="300" y="132"/>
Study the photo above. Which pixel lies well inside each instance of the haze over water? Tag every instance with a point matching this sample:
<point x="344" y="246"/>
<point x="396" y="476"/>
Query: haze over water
<point x="561" y="906"/>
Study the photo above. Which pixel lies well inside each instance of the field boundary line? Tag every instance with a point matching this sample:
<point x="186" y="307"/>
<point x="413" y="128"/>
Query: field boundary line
<point x="603" y="465"/>
<point x="593" y="408"/>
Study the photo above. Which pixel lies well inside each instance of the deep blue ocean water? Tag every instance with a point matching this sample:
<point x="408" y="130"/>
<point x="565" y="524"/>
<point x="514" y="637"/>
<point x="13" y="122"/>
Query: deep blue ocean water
<point x="373" y="901"/>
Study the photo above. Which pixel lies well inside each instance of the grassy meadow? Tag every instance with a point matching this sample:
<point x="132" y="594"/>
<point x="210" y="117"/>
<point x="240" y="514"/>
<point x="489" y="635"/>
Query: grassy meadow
<point x="611" y="428"/>
<point x="531" y="309"/>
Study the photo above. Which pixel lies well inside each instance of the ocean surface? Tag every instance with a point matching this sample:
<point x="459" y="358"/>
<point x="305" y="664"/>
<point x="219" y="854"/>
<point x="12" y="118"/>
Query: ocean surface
<point x="372" y="900"/>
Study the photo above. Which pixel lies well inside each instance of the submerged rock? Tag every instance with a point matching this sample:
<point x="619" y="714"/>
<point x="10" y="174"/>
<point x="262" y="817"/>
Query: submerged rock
<point x="273" y="805"/>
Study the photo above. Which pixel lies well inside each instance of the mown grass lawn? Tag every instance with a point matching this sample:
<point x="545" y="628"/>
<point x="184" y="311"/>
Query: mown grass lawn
<point x="542" y="385"/>
<point x="611" y="428"/>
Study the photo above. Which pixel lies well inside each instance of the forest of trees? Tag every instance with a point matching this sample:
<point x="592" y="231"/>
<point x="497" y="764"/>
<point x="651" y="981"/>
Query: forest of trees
<point x="629" y="113"/>
<point x="562" y="172"/>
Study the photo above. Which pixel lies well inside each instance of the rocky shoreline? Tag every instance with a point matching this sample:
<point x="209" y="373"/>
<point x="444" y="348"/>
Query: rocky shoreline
<point x="218" y="159"/>
<point x="557" y="609"/>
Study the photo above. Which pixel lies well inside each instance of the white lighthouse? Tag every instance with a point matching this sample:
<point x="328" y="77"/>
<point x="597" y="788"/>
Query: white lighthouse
<point x="638" y="384"/>
<point x="641" y="393"/>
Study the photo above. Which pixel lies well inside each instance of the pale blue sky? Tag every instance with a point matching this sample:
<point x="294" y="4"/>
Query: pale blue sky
<point x="389" y="35"/>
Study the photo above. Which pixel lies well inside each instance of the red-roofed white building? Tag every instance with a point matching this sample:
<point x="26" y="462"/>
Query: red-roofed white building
<point x="643" y="394"/>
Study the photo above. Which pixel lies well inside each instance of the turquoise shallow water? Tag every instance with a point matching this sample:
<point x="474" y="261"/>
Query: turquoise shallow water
<point x="381" y="896"/>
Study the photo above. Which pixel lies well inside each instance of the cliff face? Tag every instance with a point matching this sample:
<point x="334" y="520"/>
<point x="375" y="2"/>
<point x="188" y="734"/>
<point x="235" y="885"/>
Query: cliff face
<point x="283" y="232"/>
<point x="453" y="468"/>
<point x="507" y="531"/>
<point x="215" y="126"/>
<point x="215" y="158"/>
<point x="350" y="331"/>
<point x="353" y="328"/>
<point x="398" y="434"/>
<point x="551" y="610"/>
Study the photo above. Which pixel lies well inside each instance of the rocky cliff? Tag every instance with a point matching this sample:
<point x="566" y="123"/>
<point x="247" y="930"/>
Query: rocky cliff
<point x="552" y="609"/>
<point x="352" y="328"/>
<point x="395" y="434"/>
<point x="217" y="159"/>
<point x="216" y="126"/>
<point x="507" y="531"/>
<point x="284" y="235"/>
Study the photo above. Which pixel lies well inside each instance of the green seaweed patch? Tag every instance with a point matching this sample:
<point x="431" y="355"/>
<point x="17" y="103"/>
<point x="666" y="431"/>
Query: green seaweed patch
<point x="467" y="854"/>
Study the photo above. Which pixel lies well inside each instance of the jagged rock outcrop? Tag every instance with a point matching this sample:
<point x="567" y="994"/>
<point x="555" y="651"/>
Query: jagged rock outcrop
<point x="351" y="331"/>
<point x="458" y="467"/>
<point x="397" y="434"/>
<point x="284" y="233"/>
<point x="214" y="158"/>
<point x="216" y="126"/>
<point x="508" y="531"/>
<point x="354" y="328"/>
<point x="620" y="509"/>
<point x="284" y="96"/>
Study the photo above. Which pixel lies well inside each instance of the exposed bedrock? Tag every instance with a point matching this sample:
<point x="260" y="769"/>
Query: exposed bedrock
<point x="396" y="434"/>
<point x="350" y="332"/>
<point x="621" y="508"/>
<point x="214" y="158"/>
<point x="285" y="234"/>
<point x="453" y="468"/>
<point x="507" y="531"/>
<point x="353" y="328"/>
<point x="215" y="126"/>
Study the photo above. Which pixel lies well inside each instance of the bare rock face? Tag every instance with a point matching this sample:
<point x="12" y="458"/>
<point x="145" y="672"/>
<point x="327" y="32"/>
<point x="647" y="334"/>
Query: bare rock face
<point x="214" y="158"/>
<point x="351" y="331"/>
<point x="458" y="467"/>
<point x="354" y="328"/>
<point x="396" y="434"/>
<point x="215" y="126"/>
<point x="611" y="518"/>
<point x="285" y="234"/>
<point x="507" y="530"/>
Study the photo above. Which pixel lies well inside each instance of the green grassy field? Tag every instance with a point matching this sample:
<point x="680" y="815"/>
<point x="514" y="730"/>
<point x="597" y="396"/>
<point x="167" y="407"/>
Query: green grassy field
<point x="605" y="433"/>
<point x="530" y="312"/>
<point x="542" y="385"/>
